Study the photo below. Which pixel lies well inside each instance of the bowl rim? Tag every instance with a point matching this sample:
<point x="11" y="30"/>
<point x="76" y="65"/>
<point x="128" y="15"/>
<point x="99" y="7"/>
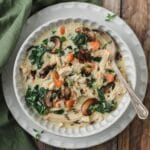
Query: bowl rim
<point x="69" y="133"/>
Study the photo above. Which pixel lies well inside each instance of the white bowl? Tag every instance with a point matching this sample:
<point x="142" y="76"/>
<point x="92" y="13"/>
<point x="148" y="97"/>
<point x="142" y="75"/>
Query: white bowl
<point x="88" y="129"/>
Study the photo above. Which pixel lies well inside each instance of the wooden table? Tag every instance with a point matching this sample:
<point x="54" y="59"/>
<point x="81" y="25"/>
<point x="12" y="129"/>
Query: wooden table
<point x="137" y="135"/>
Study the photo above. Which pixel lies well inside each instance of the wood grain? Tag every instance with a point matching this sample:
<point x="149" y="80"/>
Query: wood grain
<point x="137" y="135"/>
<point x="137" y="14"/>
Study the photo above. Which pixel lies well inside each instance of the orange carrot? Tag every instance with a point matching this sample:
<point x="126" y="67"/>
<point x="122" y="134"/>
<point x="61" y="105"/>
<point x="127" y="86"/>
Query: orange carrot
<point x="62" y="30"/>
<point x="69" y="103"/>
<point x="94" y="45"/>
<point x="109" y="77"/>
<point x="58" y="83"/>
<point x="55" y="76"/>
<point x="57" y="103"/>
<point x="70" y="57"/>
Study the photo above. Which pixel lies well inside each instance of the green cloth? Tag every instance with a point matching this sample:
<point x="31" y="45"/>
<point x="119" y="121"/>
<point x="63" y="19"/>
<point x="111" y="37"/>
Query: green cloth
<point x="13" y="14"/>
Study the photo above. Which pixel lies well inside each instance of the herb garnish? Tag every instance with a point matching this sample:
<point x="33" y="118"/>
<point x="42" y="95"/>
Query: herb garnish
<point x="53" y="31"/>
<point x="60" y="52"/>
<point x="38" y="134"/>
<point x="106" y="44"/>
<point x="110" y="17"/>
<point x="90" y="82"/>
<point x="63" y="39"/>
<point x="97" y="59"/>
<point x="35" y="98"/>
<point x="60" y="111"/>
<point x="36" y="55"/>
<point x="109" y="70"/>
<point x="45" y="41"/>
<point x="80" y="39"/>
<point x="103" y="106"/>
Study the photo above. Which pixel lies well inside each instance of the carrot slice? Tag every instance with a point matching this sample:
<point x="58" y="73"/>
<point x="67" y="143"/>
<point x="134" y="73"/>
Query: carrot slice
<point x="110" y="77"/>
<point x="57" y="103"/>
<point x="62" y="30"/>
<point x="94" y="45"/>
<point x="59" y="83"/>
<point x="70" y="57"/>
<point x="55" y="75"/>
<point x="69" y="103"/>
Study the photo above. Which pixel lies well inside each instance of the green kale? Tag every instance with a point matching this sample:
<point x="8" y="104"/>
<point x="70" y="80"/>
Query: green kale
<point x="60" y="111"/>
<point x="36" y="55"/>
<point x="90" y="82"/>
<point x="60" y="52"/>
<point x="63" y="39"/>
<point x="103" y="106"/>
<point x="35" y="98"/>
<point x="45" y="41"/>
<point x="97" y="59"/>
<point x="80" y="39"/>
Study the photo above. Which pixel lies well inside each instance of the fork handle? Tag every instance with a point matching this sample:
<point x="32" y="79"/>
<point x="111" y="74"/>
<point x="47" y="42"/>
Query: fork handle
<point x="140" y="109"/>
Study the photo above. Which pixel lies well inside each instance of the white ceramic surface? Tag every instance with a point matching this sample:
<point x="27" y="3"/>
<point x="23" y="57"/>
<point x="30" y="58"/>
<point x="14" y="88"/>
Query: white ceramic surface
<point x="73" y="10"/>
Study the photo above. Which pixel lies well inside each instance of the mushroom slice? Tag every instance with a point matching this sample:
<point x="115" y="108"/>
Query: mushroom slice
<point x="46" y="70"/>
<point x="89" y="33"/>
<point x="84" y="56"/>
<point x="66" y="93"/>
<point x="106" y="88"/>
<point x="58" y="44"/>
<point x="47" y="99"/>
<point x="86" y="105"/>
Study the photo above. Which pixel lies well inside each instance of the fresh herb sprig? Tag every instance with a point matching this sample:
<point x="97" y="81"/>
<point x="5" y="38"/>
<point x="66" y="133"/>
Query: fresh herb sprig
<point x="38" y="134"/>
<point x="110" y="17"/>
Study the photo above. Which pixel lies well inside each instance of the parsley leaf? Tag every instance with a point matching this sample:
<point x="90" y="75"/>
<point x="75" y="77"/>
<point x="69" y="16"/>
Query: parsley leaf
<point x="110" y="17"/>
<point x="38" y="134"/>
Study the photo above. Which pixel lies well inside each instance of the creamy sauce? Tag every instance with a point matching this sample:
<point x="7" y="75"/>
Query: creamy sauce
<point x="71" y="72"/>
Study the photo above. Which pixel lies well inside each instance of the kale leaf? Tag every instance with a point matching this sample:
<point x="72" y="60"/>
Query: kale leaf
<point x="35" y="98"/>
<point x="80" y="39"/>
<point x="36" y="55"/>
<point x="103" y="106"/>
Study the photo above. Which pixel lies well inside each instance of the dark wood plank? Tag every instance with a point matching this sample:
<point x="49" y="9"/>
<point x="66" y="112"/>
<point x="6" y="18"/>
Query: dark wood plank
<point x="137" y="14"/>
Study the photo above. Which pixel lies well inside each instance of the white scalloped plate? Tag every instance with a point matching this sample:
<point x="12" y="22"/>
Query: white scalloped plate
<point x="92" y="12"/>
<point x="76" y="131"/>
